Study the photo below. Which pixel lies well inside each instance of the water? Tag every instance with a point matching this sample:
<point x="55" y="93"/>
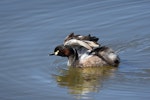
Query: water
<point x="29" y="30"/>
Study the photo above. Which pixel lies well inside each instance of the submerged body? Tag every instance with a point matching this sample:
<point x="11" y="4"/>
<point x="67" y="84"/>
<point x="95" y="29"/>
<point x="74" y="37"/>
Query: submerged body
<point x="84" y="51"/>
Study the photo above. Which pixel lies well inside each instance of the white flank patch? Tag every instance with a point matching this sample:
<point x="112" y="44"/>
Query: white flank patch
<point x="84" y="56"/>
<point x="112" y="56"/>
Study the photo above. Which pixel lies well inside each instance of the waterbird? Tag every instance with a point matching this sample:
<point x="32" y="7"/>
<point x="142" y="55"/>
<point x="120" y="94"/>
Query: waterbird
<point x="85" y="51"/>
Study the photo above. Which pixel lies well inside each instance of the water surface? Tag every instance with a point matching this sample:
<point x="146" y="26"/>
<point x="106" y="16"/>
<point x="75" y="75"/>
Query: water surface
<point x="29" y="30"/>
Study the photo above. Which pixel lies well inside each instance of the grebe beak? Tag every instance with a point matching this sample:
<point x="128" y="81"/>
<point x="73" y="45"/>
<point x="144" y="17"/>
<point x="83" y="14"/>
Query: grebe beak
<point x="50" y="54"/>
<point x="55" y="53"/>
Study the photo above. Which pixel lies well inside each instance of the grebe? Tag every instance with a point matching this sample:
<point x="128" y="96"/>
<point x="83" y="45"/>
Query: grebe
<point x="85" y="51"/>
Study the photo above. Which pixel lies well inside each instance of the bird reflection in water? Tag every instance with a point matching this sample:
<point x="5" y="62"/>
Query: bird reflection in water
<point x="81" y="81"/>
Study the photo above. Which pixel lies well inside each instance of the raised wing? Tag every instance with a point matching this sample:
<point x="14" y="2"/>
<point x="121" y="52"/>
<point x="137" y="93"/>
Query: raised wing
<point x="89" y="42"/>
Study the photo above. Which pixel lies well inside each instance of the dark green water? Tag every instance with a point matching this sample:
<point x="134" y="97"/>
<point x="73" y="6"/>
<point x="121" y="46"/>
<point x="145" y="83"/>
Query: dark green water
<point x="29" y="30"/>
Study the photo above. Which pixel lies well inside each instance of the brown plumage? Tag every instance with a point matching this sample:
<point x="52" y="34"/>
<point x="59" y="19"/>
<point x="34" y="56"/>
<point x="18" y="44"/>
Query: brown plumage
<point x="85" y="51"/>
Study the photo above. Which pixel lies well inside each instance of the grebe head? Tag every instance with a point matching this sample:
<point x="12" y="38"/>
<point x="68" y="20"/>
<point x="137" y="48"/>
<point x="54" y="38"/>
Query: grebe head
<point x="64" y="51"/>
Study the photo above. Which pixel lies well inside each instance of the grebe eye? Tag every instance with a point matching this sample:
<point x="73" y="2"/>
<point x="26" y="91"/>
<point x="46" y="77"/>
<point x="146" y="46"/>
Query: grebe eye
<point x="56" y="52"/>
